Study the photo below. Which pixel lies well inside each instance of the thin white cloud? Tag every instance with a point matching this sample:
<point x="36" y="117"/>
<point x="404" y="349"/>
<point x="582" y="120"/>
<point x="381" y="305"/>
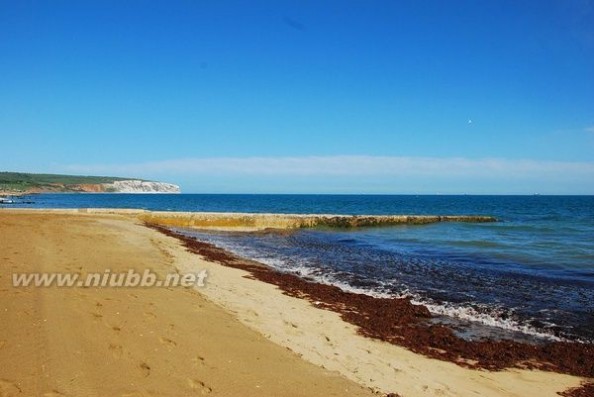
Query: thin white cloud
<point x="589" y="129"/>
<point x="357" y="166"/>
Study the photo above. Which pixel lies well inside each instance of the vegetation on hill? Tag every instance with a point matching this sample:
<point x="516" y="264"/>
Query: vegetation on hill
<point x="24" y="182"/>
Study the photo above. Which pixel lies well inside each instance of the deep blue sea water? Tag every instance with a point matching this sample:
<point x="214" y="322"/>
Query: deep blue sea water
<point x="530" y="273"/>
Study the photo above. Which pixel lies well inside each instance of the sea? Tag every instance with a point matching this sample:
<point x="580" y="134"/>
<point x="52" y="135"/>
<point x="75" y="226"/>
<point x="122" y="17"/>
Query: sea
<point x="529" y="276"/>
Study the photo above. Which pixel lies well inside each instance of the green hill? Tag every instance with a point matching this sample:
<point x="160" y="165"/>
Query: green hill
<point x="25" y="182"/>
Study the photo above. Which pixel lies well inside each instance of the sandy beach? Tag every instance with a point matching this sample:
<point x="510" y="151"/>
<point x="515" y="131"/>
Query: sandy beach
<point x="234" y="336"/>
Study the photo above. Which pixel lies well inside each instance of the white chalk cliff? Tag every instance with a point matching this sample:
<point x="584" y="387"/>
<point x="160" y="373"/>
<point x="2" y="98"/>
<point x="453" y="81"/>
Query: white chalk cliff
<point x="137" y="186"/>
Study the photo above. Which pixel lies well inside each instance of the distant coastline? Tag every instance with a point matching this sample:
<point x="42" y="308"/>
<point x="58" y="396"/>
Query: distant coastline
<point x="18" y="183"/>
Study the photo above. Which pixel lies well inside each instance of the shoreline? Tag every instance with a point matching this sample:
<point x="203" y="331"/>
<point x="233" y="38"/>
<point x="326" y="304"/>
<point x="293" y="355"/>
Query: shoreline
<point x="400" y="322"/>
<point x="306" y="331"/>
<point x="323" y="337"/>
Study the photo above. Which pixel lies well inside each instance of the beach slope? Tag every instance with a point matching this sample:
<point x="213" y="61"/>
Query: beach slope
<point x="128" y="341"/>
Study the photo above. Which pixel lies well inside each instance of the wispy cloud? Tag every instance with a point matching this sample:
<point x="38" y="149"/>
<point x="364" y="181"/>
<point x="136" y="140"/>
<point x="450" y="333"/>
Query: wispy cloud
<point x="589" y="129"/>
<point x="349" y="166"/>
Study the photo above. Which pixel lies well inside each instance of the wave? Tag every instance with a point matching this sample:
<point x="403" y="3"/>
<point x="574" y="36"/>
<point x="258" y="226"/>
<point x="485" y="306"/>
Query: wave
<point x="495" y="317"/>
<point x="309" y="259"/>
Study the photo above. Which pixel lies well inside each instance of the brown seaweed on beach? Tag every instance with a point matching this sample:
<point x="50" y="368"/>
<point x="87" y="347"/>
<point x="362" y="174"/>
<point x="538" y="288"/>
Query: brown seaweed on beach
<point x="400" y="322"/>
<point x="585" y="390"/>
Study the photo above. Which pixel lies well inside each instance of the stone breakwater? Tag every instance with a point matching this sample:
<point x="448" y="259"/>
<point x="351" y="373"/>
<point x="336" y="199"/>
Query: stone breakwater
<point x="251" y="221"/>
<point x="213" y="220"/>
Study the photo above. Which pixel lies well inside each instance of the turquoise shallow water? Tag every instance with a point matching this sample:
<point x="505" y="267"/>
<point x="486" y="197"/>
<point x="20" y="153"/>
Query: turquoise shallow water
<point x="532" y="272"/>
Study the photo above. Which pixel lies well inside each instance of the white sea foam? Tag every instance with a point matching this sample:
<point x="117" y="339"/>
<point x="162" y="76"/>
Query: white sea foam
<point x="463" y="313"/>
<point x="472" y="315"/>
<point x="488" y="316"/>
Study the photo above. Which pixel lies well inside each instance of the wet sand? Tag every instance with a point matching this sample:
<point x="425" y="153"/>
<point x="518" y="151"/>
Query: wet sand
<point x="400" y="322"/>
<point x="237" y="335"/>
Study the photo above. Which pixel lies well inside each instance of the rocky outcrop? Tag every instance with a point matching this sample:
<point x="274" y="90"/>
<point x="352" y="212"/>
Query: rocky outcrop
<point x="91" y="188"/>
<point x="138" y="186"/>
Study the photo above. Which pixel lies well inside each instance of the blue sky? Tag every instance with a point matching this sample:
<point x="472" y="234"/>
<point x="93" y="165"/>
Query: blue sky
<point x="303" y="96"/>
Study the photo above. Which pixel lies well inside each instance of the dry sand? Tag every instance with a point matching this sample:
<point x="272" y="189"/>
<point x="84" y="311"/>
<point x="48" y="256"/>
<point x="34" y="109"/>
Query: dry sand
<point x="235" y="336"/>
<point x="128" y="342"/>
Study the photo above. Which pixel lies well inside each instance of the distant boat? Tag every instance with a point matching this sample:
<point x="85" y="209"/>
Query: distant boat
<point x="4" y="200"/>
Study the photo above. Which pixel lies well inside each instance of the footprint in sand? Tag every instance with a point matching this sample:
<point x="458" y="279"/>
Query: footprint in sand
<point x="2" y="344"/>
<point x="293" y="329"/>
<point x="150" y="315"/>
<point x="116" y="350"/>
<point x="198" y="361"/>
<point x="54" y="393"/>
<point x="168" y="342"/>
<point x="137" y="394"/>
<point x="329" y="341"/>
<point x="252" y="313"/>
<point x="146" y="369"/>
<point x="97" y="316"/>
<point x="9" y="389"/>
<point x="199" y="386"/>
